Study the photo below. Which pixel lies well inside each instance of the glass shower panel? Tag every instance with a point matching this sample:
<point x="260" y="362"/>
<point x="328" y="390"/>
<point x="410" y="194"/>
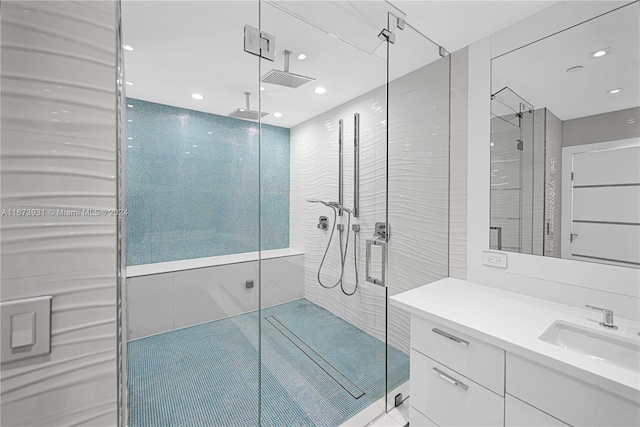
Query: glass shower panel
<point x="517" y="174"/>
<point x="323" y="324"/>
<point x="418" y="183"/>
<point x="192" y="194"/>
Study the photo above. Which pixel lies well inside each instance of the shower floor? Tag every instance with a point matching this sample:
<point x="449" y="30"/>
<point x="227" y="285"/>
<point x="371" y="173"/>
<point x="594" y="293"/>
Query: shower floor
<point x="318" y="370"/>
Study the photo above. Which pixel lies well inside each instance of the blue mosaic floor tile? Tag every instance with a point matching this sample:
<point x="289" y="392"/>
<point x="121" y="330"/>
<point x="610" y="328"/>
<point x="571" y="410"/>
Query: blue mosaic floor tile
<point x="208" y="375"/>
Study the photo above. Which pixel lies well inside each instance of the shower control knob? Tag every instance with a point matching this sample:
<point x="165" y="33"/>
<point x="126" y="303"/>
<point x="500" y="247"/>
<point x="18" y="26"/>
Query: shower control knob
<point x="340" y="227"/>
<point x="323" y="223"/>
<point x="355" y="228"/>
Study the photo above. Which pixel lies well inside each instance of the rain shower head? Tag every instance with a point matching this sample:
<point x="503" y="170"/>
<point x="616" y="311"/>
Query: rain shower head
<point x="285" y="78"/>
<point x="247" y="113"/>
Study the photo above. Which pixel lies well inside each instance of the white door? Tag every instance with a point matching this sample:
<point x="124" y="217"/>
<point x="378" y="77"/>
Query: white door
<point x="602" y="217"/>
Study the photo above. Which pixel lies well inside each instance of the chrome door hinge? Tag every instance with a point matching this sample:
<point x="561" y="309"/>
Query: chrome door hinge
<point x="387" y="36"/>
<point x="259" y="43"/>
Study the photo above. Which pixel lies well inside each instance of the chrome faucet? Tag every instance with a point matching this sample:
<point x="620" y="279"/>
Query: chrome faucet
<point x="607" y="317"/>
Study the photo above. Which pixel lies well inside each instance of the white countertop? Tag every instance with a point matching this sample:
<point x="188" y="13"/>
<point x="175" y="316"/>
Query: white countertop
<point x="514" y="322"/>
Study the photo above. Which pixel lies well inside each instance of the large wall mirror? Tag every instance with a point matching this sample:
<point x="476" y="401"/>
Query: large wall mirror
<point x="565" y="143"/>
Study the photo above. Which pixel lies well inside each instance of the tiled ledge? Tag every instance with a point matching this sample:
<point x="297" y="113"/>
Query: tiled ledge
<point x="189" y="264"/>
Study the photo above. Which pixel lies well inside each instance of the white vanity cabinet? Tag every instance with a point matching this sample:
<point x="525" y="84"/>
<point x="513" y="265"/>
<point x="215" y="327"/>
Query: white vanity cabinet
<point x="567" y="398"/>
<point x="457" y="380"/>
<point x="478" y="359"/>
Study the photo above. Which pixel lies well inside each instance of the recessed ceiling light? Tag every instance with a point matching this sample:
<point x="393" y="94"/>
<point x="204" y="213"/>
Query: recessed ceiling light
<point x="197" y="96"/>
<point x="616" y="90"/>
<point x="261" y="88"/>
<point x="302" y="57"/>
<point x="128" y="47"/>
<point x="195" y="146"/>
<point x="575" y="69"/>
<point x="129" y="105"/>
<point x="320" y="90"/>
<point x="129" y="138"/>
<point x="186" y="152"/>
<point x="600" y="52"/>
<point x="130" y="121"/>
<point x="242" y="109"/>
<point x="277" y="114"/>
<point x="129" y="84"/>
<point x="209" y="133"/>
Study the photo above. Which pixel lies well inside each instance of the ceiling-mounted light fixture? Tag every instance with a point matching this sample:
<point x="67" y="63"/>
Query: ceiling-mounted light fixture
<point x="128" y="47"/>
<point x="616" y="90"/>
<point x="302" y="57"/>
<point x="320" y="90"/>
<point x="600" y="52"/>
<point x="277" y="114"/>
<point x="197" y="96"/>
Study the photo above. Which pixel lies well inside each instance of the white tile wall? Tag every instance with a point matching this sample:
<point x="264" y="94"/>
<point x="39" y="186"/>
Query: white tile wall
<point x="150" y="305"/>
<point x="166" y="301"/>
<point x="418" y="206"/>
<point x="212" y="293"/>
<point x="59" y="152"/>
<point x="458" y="165"/>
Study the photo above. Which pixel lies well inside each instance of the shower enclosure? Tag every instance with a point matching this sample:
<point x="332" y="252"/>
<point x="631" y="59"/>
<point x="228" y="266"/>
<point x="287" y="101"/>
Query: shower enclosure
<point x="340" y="102"/>
<point x="518" y="152"/>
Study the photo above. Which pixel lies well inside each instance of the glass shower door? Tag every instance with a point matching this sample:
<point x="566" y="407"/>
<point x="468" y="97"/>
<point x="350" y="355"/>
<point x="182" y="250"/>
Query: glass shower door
<point x="418" y="179"/>
<point x="323" y="325"/>
<point x="192" y="195"/>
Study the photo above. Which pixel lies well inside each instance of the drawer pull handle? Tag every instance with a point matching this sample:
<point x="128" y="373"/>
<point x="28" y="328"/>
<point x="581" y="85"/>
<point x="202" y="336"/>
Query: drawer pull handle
<point x="451" y="337"/>
<point x="450" y="379"/>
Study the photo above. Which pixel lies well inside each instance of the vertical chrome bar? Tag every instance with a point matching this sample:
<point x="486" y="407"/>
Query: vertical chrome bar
<point x="356" y="165"/>
<point x="340" y="167"/>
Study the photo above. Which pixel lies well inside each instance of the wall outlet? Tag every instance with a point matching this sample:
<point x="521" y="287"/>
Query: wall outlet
<point x="494" y="259"/>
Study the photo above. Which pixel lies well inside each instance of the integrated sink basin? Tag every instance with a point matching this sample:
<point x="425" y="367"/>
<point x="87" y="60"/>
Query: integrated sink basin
<point x="605" y="346"/>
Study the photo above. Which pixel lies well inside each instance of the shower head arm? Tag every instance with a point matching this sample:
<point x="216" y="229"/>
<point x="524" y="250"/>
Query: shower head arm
<point x="287" y="54"/>
<point x="333" y="205"/>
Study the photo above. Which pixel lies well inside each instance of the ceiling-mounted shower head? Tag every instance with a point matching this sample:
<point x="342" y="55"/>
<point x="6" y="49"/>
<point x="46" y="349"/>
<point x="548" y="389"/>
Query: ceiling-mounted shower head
<point x="247" y="113"/>
<point x="285" y="78"/>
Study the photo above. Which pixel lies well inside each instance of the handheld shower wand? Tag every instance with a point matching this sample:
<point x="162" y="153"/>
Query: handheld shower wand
<point x="343" y="253"/>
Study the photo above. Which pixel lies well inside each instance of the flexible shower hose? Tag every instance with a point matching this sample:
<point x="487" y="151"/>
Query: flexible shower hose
<point x="343" y="256"/>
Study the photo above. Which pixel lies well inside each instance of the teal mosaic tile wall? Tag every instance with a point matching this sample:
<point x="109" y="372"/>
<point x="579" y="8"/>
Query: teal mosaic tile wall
<point x="192" y="183"/>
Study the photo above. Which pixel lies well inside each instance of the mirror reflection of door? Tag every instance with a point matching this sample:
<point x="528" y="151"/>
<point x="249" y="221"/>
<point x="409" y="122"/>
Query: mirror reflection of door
<point x="603" y="202"/>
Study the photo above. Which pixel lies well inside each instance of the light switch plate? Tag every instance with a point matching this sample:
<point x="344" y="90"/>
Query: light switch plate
<point x="494" y="259"/>
<point x="26" y="328"/>
<point x="23" y="329"/>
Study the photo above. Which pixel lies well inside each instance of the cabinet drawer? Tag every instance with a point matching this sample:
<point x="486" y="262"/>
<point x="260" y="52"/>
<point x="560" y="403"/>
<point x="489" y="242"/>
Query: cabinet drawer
<point x="519" y="414"/>
<point x="450" y="399"/>
<point x="474" y="359"/>
<point x="567" y="398"/>
<point x="417" y="419"/>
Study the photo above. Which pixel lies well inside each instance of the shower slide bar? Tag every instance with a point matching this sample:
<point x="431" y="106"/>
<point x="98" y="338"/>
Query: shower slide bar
<point x="356" y="165"/>
<point x="340" y="166"/>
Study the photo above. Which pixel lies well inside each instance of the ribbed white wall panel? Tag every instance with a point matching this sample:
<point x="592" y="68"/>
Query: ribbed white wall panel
<point x="418" y="195"/>
<point x="59" y="152"/>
